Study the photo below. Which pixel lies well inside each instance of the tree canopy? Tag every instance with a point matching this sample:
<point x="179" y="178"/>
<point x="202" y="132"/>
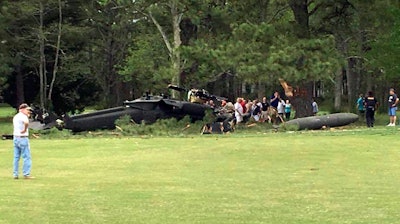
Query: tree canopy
<point x="65" y="55"/>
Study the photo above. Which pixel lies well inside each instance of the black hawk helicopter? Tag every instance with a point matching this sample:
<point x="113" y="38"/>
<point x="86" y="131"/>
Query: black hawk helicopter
<point x="147" y="109"/>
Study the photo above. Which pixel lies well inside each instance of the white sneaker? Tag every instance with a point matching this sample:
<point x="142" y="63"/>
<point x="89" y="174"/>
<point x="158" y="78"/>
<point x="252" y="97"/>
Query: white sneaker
<point x="391" y="125"/>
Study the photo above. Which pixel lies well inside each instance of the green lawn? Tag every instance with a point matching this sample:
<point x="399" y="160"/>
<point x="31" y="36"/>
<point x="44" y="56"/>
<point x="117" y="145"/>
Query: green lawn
<point x="304" y="177"/>
<point x="6" y="110"/>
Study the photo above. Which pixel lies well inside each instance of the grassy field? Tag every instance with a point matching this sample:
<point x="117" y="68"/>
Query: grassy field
<point x="6" y="111"/>
<point x="251" y="176"/>
<point x="303" y="177"/>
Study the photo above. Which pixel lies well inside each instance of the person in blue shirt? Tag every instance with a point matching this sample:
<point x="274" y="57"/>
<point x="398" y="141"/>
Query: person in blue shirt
<point x="288" y="109"/>
<point x="361" y="105"/>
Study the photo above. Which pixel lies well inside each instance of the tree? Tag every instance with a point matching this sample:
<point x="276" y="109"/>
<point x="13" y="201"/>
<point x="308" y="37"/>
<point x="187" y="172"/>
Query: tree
<point x="57" y="54"/>
<point x="175" y="12"/>
<point x="74" y="53"/>
<point x="32" y="52"/>
<point x="110" y="26"/>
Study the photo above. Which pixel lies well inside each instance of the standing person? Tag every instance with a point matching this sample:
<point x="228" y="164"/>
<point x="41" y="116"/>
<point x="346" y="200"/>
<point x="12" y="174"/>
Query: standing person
<point x="393" y="101"/>
<point x="247" y="111"/>
<point x="281" y="107"/>
<point x="275" y="100"/>
<point x="243" y="103"/>
<point x="370" y="104"/>
<point x="256" y="110"/>
<point x="264" y="110"/>
<point x="21" y="141"/>
<point x="238" y="110"/>
<point x="288" y="109"/>
<point x="273" y="109"/>
<point x="361" y="105"/>
<point x="314" y="107"/>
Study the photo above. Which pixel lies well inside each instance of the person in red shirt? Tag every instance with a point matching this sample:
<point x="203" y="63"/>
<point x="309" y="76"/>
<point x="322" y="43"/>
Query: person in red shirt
<point x="243" y="103"/>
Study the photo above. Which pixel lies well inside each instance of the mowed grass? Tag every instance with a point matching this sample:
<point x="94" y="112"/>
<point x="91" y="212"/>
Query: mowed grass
<point x="6" y="115"/>
<point x="6" y="110"/>
<point x="273" y="178"/>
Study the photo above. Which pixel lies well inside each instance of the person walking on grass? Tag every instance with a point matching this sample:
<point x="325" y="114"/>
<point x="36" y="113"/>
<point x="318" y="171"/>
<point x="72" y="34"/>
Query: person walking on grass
<point x="393" y="101"/>
<point x="370" y="104"/>
<point x="21" y="142"/>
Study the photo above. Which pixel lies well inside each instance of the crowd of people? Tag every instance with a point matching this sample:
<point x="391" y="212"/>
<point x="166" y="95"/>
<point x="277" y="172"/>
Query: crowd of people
<point x="277" y="110"/>
<point x="273" y="109"/>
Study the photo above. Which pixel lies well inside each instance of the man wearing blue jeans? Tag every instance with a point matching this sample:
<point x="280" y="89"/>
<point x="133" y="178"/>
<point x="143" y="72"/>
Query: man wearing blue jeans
<point x="21" y="141"/>
<point x="392" y="102"/>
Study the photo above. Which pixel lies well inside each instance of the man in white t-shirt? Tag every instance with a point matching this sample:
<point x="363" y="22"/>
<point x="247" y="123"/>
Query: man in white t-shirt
<point x="21" y="141"/>
<point x="238" y="110"/>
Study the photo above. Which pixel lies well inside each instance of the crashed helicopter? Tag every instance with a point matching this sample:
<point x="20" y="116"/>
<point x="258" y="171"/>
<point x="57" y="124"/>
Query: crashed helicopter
<point x="147" y="109"/>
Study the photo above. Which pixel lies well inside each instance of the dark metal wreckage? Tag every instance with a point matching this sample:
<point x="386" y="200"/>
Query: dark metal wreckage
<point x="147" y="109"/>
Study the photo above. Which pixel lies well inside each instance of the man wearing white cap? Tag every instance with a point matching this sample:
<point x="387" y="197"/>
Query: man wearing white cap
<point x="21" y="141"/>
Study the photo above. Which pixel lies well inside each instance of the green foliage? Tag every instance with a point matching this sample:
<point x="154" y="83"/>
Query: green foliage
<point x="146" y="63"/>
<point x="111" y="49"/>
<point x="162" y="127"/>
<point x="385" y="53"/>
<point x="262" y="53"/>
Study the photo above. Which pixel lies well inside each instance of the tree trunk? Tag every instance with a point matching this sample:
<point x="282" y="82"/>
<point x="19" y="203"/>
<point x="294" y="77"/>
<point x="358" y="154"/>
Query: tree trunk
<point x="19" y="86"/>
<point x="301" y="15"/>
<point x="110" y="73"/>
<point x="302" y="101"/>
<point x="338" y="89"/>
<point x="302" y="105"/>
<point x="351" y="82"/>
<point x="301" y="98"/>
<point x="175" y="56"/>
<point x="55" y="68"/>
<point x="173" y="51"/>
<point x="42" y="61"/>
<point x="342" y="48"/>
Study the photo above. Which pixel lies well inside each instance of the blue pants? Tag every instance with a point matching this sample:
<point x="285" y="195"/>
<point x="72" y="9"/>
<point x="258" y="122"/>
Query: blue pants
<point x="21" y="148"/>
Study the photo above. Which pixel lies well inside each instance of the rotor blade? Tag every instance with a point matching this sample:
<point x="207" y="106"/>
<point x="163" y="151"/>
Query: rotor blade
<point x="177" y="88"/>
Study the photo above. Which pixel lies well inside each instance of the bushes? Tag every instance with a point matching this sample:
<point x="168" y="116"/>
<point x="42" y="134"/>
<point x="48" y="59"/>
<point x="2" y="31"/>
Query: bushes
<point x="162" y="127"/>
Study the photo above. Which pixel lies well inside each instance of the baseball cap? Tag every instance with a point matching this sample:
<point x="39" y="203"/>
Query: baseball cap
<point x="25" y="106"/>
